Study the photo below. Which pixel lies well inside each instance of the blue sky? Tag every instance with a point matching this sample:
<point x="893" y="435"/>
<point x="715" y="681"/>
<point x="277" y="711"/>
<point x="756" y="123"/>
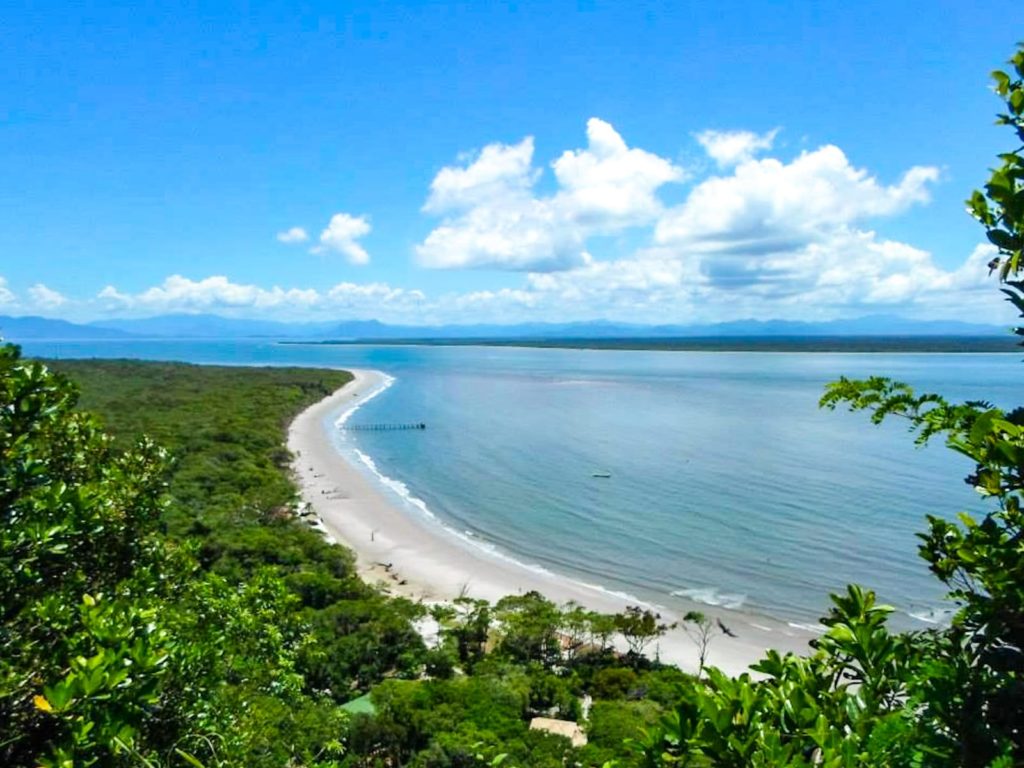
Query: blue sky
<point x="498" y="162"/>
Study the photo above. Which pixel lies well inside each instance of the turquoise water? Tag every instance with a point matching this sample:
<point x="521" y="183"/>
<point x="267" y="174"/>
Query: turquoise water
<point x="728" y="485"/>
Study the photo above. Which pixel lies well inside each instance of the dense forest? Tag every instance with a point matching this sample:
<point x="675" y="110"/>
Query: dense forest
<point x="161" y="603"/>
<point x="257" y="632"/>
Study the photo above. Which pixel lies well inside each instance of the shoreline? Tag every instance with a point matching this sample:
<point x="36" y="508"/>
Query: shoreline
<point x="419" y="558"/>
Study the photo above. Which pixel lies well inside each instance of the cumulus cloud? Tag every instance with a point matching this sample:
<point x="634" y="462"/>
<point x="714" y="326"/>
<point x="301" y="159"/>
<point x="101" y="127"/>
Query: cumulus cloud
<point x="219" y="294"/>
<point x="729" y="148"/>
<point x="854" y="275"/>
<point x="760" y="236"/>
<point x="293" y="235"/>
<point x="500" y="172"/>
<point x="768" y="203"/>
<point x="859" y="275"/>
<point x="180" y="294"/>
<point x="609" y="186"/>
<point x="494" y="218"/>
<point x="45" y="298"/>
<point x="774" y="228"/>
<point x="362" y="295"/>
<point x="341" y="235"/>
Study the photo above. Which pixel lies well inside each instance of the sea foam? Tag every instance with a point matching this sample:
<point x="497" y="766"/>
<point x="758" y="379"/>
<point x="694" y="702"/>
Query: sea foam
<point x="711" y="596"/>
<point x="938" y="615"/>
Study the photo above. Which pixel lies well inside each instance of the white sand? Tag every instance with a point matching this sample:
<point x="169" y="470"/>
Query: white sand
<point x="417" y="557"/>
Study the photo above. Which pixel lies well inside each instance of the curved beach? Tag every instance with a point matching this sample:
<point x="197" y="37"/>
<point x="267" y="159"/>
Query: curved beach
<point x="420" y="558"/>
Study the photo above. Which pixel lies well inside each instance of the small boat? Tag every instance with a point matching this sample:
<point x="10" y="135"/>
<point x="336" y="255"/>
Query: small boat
<point x="602" y="474"/>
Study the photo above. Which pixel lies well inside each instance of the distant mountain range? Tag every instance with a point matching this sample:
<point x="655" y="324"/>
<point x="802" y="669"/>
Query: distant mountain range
<point x="217" y="327"/>
<point x="43" y="328"/>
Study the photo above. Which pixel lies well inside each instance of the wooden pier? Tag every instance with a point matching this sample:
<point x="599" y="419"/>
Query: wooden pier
<point x="385" y="427"/>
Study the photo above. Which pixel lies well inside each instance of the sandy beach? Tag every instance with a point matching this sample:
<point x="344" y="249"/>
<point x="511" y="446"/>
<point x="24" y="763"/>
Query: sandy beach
<point x="415" y="556"/>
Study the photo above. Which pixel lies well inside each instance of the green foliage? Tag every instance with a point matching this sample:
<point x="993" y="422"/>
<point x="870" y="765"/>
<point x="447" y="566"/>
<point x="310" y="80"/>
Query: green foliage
<point x="230" y="493"/>
<point x="83" y="659"/>
<point x="613" y="683"/>
<point x="223" y="428"/>
<point x="1000" y="208"/>
<point x="529" y="628"/>
<point x="841" y="706"/>
<point x="465" y="627"/>
<point x="612" y="723"/>
<point x="639" y="628"/>
<point x="466" y="721"/>
<point x="118" y="646"/>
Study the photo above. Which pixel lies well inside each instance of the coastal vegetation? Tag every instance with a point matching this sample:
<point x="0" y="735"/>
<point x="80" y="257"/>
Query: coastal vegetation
<point x="166" y="606"/>
<point x="161" y="604"/>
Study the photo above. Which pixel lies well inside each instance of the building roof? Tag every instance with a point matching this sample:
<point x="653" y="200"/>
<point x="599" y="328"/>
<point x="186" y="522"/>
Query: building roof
<point x="362" y="705"/>
<point x="567" y="728"/>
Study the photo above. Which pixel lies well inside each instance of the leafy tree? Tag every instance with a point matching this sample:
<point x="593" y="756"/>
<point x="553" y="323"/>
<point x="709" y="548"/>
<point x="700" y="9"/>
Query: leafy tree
<point x="467" y="623"/>
<point x="613" y="683"/>
<point x="841" y="706"/>
<point x="577" y="628"/>
<point x="80" y="579"/>
<point x="639" y="627"/>
<point x="115" y="648"/>
<point x="603" y="627"/>
<point x="529" y="628"/>
<point x="972" y="688"/>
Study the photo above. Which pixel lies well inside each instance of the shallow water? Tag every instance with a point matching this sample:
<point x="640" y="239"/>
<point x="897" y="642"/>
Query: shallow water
<point x="728" y="485"/>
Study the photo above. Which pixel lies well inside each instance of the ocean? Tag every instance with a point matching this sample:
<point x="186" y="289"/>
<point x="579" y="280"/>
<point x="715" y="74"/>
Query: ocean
<point x="678" y="477"/>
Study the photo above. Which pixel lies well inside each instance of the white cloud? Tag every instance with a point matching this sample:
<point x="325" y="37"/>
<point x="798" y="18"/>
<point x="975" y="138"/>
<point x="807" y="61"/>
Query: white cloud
<point x="499" y="172"/>
<point x="293" y="235"/>
<point x="180" y="294"/>
<point x="45" y="298"/>
<point x="219" y="294"/>
<point x="6" y="294"/>
<point x="761" y="237"/>
<point x="729" y="148"/>
<point x="371" y="294"/>
<point x="341" y="235"/>
<point x="855" y="274"/>
<point x="113" y="297"/>
<point x="494" y="218"/>
<point x="859" y="274"/>
<point x="609" y="186"/>
<point x="770" y="205"/>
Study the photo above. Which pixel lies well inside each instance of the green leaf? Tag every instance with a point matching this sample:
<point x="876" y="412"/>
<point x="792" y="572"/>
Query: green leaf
<point x="188" y="758"/>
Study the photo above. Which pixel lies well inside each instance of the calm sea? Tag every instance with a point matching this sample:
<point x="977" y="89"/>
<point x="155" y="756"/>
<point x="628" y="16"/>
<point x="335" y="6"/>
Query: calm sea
<point x="727" y="484"/>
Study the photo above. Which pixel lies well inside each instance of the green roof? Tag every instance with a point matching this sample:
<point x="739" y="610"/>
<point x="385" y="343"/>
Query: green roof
<point x="362" y="705"/>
